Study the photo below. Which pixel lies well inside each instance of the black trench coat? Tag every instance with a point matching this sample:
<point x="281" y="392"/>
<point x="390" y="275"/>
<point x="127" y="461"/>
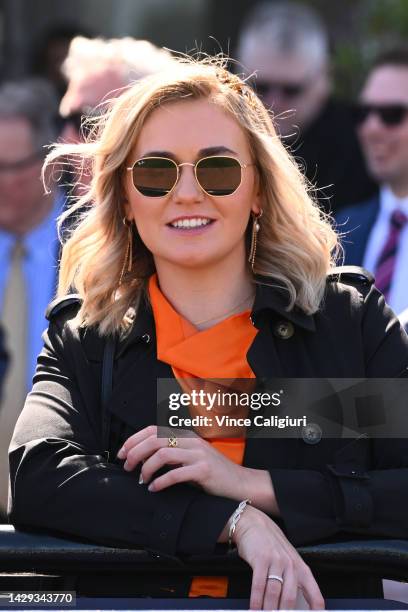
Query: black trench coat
<point x="63" y="478"/>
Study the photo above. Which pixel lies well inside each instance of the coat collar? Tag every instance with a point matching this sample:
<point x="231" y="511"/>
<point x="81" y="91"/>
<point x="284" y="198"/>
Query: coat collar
<point x="143" y="327"/>
<point x="274" y="298"/>
<point x="269" y="299"/>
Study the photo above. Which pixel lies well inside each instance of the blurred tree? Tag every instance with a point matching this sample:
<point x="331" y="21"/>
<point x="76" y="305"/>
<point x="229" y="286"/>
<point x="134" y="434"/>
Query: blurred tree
<point x="359" y="30"/>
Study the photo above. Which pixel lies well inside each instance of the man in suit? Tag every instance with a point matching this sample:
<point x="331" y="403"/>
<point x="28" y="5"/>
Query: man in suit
<point x="28" y="243"/>
<point x="376" y="231"/>
<point x="285" y="44"/>
<point x="98" y="70"/>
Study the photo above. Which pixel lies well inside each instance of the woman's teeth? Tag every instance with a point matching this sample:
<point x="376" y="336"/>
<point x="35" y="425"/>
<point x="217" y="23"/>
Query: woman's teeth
<point x="190" y="223"/>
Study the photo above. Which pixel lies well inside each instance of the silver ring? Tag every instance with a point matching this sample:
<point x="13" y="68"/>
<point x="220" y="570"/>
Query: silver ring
<point x="274" y="577"/>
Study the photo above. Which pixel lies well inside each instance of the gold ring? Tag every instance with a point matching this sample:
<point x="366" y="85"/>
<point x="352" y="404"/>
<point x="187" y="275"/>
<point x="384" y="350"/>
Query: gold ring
<point x="172" y="442"/>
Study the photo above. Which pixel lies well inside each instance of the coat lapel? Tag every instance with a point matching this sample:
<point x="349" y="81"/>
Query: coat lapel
<point x="263" y="453"/>
<point x="136" y="370"/>
<point x="270" y="308"/>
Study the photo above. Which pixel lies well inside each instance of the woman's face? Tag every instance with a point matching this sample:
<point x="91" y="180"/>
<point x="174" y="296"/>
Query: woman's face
<point x="186" y="132"/>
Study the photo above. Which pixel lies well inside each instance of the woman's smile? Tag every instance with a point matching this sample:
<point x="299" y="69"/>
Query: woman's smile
<point x="191" y="225"/>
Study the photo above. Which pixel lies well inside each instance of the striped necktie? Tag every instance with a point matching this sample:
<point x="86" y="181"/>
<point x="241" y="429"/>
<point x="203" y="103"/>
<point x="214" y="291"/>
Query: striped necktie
<point x="384" y="268"/>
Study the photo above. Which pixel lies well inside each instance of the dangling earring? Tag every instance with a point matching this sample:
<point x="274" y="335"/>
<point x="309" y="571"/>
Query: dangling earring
<point x="255" y="229"/>
<point x="127" y="262"/>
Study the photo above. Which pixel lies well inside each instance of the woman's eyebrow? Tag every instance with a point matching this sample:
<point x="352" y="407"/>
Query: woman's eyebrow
<point x="201" y="153"/>
<point x="158" y="154"/>
<point x="216" y="150"/>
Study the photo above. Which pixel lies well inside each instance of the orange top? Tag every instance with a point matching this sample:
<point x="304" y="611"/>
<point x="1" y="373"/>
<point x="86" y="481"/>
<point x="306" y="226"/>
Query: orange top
<point x="217" y="352"/>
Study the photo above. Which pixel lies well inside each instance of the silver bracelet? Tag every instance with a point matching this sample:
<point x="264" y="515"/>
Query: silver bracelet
<point x="235" y="518"/>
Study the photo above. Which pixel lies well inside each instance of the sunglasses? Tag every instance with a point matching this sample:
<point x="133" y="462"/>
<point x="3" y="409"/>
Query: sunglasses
<point x="289" y="90"/>
<point x="218" y="175"/>
<point x="389" y="114"/>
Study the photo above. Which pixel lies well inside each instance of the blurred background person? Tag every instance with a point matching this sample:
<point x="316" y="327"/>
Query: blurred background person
<point x="50" y="50"/>
<point x="97" y="70"/>
<point x="28" y="242"/>
<point x="286" y="45"/>
<point x="377" y="230"/>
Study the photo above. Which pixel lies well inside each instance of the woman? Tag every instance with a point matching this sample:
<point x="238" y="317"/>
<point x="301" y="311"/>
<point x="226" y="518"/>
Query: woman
<point x="203" y="255"/>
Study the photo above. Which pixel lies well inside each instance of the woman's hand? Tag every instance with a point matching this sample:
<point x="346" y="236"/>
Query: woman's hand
<point x="196" y="460"/>
<point x="266" y="549"/>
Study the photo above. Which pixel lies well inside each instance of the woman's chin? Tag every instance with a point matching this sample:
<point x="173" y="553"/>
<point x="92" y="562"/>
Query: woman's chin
<point x="196" y="262"/>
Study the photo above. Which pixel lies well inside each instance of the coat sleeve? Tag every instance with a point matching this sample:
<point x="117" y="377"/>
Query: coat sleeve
<point x="364" y="491"/>
<point x="60" y="478"/>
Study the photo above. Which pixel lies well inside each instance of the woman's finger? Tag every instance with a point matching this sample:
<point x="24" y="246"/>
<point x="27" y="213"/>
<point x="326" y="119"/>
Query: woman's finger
<point x="259" y="577"/>
<point x="288" y="595"/>
<point x="136" y="438"/>
<point x="143" y="451"/>
<point x="190" y="440"/>
<point x="166" y="456"/>
<point x="273" y="588"/>
<point x="311" y="591"/>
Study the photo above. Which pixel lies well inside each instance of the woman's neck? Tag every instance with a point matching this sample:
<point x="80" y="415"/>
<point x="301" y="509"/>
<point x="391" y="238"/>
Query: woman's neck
<point x="206" y="297"/>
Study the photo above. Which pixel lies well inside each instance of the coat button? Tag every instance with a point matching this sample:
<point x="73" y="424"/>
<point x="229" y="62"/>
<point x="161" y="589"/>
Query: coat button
<point x="146" y="338"/>
<point x="311" y="433"/>
<point x="284" y="330"/>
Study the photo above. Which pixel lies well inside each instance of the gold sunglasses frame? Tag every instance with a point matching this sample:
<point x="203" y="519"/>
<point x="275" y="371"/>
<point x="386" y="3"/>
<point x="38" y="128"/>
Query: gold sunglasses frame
<point x="178" y="166"/>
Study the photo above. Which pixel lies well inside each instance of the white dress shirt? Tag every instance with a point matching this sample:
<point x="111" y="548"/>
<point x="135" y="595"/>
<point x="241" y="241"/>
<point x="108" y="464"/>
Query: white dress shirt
<point x="398" y="297"/>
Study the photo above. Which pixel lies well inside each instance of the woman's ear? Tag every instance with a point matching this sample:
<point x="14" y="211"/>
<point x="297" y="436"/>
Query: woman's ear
<point x="257" y="200"/>
<point x="256" y="208"/>
<point x="123" y="195"/>
<point x="127" y="210"/>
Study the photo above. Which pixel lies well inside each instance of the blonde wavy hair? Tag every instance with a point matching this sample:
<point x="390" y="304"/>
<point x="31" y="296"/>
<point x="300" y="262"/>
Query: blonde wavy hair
<point x="296" y="244"/>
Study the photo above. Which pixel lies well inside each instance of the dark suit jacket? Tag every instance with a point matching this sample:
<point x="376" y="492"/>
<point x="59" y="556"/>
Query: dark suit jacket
<point x="64" y="478"/>
<point x="356" y="222"/>
<point x="332" y="158"/>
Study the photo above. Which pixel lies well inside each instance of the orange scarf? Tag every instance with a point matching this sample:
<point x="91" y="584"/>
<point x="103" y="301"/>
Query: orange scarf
<point x="216" y="352"/>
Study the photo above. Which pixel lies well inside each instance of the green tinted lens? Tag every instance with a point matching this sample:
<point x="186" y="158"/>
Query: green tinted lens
<point x="154" y="176"/>
<point x="219" y="176"/>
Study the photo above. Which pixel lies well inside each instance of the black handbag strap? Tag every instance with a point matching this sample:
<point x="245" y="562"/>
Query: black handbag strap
<point x="106" y="390"/>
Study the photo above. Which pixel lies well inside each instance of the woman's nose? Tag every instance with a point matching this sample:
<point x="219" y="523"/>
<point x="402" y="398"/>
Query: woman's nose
<point x="187" y="187"/>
